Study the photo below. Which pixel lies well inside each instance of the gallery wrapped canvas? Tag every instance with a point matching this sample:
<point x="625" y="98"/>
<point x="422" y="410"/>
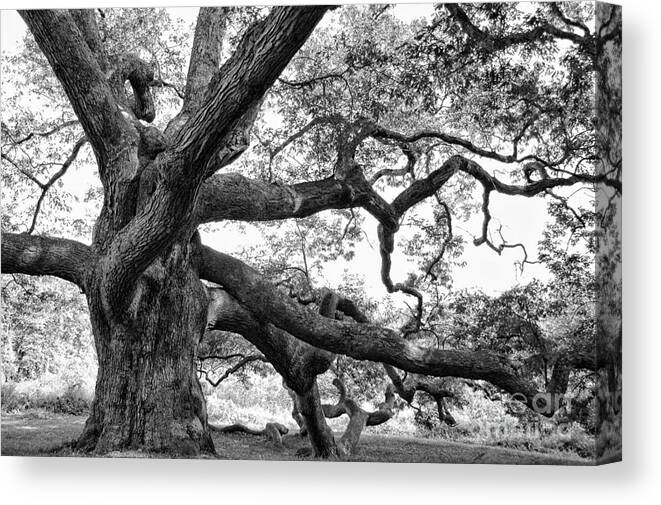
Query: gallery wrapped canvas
<point x="356" y="233"/>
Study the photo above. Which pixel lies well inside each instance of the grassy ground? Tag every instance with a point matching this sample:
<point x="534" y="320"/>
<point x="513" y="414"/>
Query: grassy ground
<point x="37" y="434"/>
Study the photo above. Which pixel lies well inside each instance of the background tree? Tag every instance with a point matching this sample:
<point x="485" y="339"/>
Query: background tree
<point x="477" y="83"/>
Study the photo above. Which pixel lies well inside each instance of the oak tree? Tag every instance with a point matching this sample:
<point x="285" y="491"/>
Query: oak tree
<point x="476" y="84"/>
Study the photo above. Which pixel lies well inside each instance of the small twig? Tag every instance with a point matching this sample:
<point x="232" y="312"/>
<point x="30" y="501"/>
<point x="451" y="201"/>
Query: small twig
<point x="160" y="83"/>
<point x="243" y="362"/>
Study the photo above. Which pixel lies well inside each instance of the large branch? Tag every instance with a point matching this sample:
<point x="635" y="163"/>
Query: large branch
<point x="204" y="61"/>
<point x="85" y="19"/>
<point x="83" y="80"/>
<point x="205" y="54"/>
<point x="32" y="255"/>
<point x="360" y="341"/>
<point x="236" y="88"/>
<point x="233" y="196"/>
<point x="281" y="350"/>
<point x="491" y="43"/>
<point x="242" y="81"/>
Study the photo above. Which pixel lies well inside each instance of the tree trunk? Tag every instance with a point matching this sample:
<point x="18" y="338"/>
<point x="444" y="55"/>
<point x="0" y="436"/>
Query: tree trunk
<point x="147" y="393"/>
<point x="298" y="363"/>
<point x="319" y="433"/>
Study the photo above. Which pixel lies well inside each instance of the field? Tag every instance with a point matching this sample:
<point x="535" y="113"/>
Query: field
<point x="47" y="435"/>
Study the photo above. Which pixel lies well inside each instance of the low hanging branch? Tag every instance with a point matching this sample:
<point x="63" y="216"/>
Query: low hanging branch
<point x="405" y="388"/>
<point x="361" y="341"/>
<point x="297" y="362"/>
<point x="408" y="387"/>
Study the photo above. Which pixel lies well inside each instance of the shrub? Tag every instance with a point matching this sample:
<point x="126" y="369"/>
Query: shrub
<point x="54" y="393"/>
<point x="10" y="399"/>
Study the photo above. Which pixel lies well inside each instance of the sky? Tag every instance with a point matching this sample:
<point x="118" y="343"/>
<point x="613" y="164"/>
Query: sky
<point x="523" y="219"/>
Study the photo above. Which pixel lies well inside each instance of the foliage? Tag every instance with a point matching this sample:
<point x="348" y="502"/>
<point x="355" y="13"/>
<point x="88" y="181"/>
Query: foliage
<point x="46" y="330"/>
<point x="50" y="393"/>
<point x="49" y="360"/>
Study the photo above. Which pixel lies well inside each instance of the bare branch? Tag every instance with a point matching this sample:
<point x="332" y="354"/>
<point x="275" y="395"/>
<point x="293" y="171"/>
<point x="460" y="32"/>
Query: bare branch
<point x="22" y="170"/>
<point x="384" y="133"/>
<point x="43" y="134"/>
<point x="273" y="431"/>
<point x="322" y="120"/>
<point x="160" y="83"/>
<point x="411" y="160"/>
<point x="446" y="241"/>
<point x="233" y="196"/>
<point x="313" y="80"/>
<point x="358" y="417"/>
<point x="204" y="63"/>
<point x="555" y="8"/>
<point x="54" y="178"/>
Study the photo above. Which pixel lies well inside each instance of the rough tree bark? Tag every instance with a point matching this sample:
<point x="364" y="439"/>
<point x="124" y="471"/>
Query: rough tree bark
<point x="147" y="394"/>
<point x="299" y="364"/>
<point x="147" y="304"/>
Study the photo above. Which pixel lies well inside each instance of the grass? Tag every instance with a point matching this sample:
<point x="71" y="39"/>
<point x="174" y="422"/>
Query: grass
<point x="38" y="433"/>
<point x="46" y="434"/>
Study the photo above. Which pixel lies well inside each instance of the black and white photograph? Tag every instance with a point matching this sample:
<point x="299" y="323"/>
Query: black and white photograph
<point x="377" y="233"/>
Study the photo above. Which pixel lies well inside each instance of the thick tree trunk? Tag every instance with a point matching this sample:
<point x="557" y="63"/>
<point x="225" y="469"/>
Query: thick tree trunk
<point x="147" y="393"/>
<point x="319" y="433"/>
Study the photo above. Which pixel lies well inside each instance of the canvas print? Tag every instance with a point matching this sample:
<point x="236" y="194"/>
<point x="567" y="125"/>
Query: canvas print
<point x="363" y="232"/>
